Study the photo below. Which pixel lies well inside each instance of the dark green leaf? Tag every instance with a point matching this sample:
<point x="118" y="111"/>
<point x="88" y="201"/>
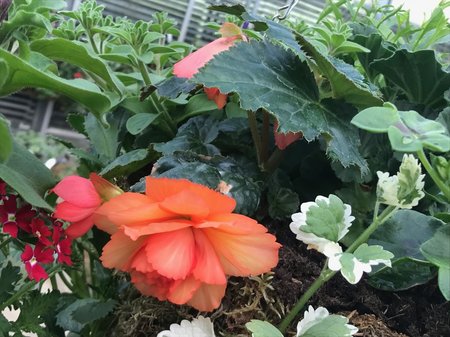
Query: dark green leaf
<point x="346" y="82"/>
<point x="283" y="201"/>
<point x="404" y="274"/>
<point x="5" y="327"/>
<point x="174" y="86"/>
<point x="89" y="313"/>
<point x="127" y="163"/>
<point x="231" y="8"/>
<point x="195" y="135"/>
<point x="418" y="74"/>
<point x="9" y="276"/>
<point x="28" y="176"/>
<point x="6" y="144"/>
<point x="76" y="122"/>
<point x="274" y="79"/>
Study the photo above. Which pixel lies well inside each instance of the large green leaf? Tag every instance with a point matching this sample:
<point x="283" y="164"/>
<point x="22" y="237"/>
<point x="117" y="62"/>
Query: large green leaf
<point x="437" y="249"/>
<point x="403" y="235"/>
<point x="126" y="163"/>
<point x="23" y="75"/>
<point x="28" y="176"/>
<point x="262" y="329"/>
<point x="273" y="78"/>
<point x="346" y="82"/>
<point x="22" y="19"/>
<point x="418" y="74"/>
<point x="78" y="54"/>
<point x="6" y="144"/>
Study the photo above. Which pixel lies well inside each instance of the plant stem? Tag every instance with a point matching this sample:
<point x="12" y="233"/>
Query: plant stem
<point x="274" y="161"/>
<point x="327" y="274"/>
<point x="92" y="42"/>
<point x="265" y="137"/>
<point x="5" y="243"/>
<point x="433" y="174"/>
<point x="253" y="123"/>
<point x="26" y="288"/>
<point x="324" y="277"/>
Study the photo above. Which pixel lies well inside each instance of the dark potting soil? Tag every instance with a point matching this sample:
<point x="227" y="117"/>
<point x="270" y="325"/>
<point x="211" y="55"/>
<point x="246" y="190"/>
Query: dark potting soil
<point x="418" y="312"/>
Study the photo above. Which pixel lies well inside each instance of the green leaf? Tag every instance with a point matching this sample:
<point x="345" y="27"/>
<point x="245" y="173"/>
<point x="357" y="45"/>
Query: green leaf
<point x="283" y="201"/>
<point x="4" y="70"/>
<point x="173" y="86"/>
<point x="126" y="164"/>
<point x="437" y="249"/>
<point x="5" y="327"/>
<point x="6" y="145"/>
<point x="377" y="119"/>
<point x="23" y="18"/>
<point x="28" y="176"/>
<point x="418" y="74"/>
<point x="195" y="135"/>
<point x="24" y="75"/>
<point x="405" y="273"/>
<point x="232" y="9"/>
<point x="274" y="79"/>
<point x="76" y="122"/>
<point x="77" y="53"/>
<point x="262" y="329"/>
<point x="330" y="326"/>
<point x="39" y="5"/>
<point x="197" y="105"/>
<point x="9" y="276"/>
<point x="137" y="123"/>
<point x="444" y="282"/>
<point x="366" y="253"/>
<point x="346" y="82"/>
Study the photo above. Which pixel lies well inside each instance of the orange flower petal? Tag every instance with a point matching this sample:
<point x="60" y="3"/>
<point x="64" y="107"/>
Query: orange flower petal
<point x="79" y="228"/>
<point x="182" y="291"/>
<point x="233" y="223"/>
<point x="215" y="95"/>
<point x="103" y="223"/>
<point x="172" y="254"/>
<point x="72" y="213"/>
<point x="119" y="251"/>
<point x="155" y="227"/>
<point x="140" y="262"/>
<point x="132" y="209"/>
<point x="244" y="255"/>
<point x="208" y="297"/>
<point x="78" y="191"/>
<point x="161" y="188"/>
<point x="208" y="268"/>
<point x="190" y="65"/>
<point x="186" y="203"/>
<point x="151" y="284"/>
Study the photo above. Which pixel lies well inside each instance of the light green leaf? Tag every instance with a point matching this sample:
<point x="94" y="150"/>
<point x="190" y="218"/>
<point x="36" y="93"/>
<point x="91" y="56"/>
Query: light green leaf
<point x="78" y="54"/>
<point x="6" y="144"/>
<point x="346" y="82"/>
<point x="437" y="249"/>
<point x="22" y="19"/>
<point x="444" y="282"/>
<point x="23" y="75"/>
<point x="28" y="176"/>
<point x="373" y="254"/>
<point x="377" y="119"/>
<point x="273" y="78"/>
<point x="319" y="323"/>
<point x="126" y="164"/>
<point x="198" y="105"/>
<point x="38" y="5"/>
<point x="262" y="329"/>
<point x="137" y="123"/>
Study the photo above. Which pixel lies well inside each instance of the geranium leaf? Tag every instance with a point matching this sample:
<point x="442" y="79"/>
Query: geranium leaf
<point x="444" y="282"/>
<point x="28" y="176"/>
<point x="377" y="119"/>
<point x="273" y="78"/>
<point x="22" y="75"/>
<point x="366" y="254"/>
<point x="346" y="82"/>
<point x="6" y="145"/>
<point x="319" y="323"/>
<point x="418" y="74"/>
<point x="262" y="329"/>
<point x="437" y="249"/>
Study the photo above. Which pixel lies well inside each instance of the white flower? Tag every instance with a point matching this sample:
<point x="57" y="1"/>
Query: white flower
<point x="405" y="189"/>
<point x="328" y="216"/>
<point x="315" y="319"/>
<point x="199" y="327"/>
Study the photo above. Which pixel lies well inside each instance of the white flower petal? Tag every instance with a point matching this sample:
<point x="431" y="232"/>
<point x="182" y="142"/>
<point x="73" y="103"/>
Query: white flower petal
<point x="199" y="327"/>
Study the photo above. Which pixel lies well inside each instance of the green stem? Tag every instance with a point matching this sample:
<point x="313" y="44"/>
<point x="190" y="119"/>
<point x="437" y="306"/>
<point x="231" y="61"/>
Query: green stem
<point x="327" y="274"/>
<point x="324" y="277"/>
<point x="274" y="161"/>
<point x="92" y="42"/>
<point x="253" y="123"/>
<point x="5" y="243"/>
<point x="144" y="73"/>
<point x="26" y="288"/>
<point x="433" y="174"/>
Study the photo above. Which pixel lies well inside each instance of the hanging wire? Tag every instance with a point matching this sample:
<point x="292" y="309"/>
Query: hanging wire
<point x="287" y="10"/>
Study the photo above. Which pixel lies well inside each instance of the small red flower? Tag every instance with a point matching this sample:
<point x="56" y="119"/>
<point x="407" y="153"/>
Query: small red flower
<point x="41" y="231"/>
<point x="2" y="189"/>
<point x="33" y="259"/>
<point x="63" y="244"/>
<point x="13" y="218"/>
<point x="78" y="75"/>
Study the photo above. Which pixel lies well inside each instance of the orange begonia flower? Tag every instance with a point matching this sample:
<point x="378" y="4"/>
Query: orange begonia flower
<point x="181" y="240"/>
<point x="283" y="140"/>
<point x="81" y="198"/>
<point x="190" y="65"/>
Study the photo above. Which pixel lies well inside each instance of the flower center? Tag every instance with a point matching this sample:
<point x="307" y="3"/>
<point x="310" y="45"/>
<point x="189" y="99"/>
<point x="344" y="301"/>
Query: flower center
<point x="33" y="261"/>
<point x="11" y="217"/>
